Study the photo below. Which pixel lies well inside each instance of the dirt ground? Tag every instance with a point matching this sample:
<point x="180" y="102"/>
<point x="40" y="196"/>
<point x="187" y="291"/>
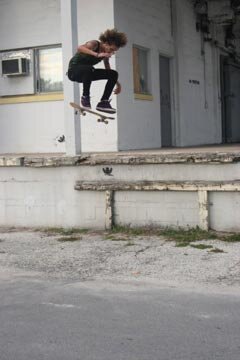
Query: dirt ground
<point x="100" y="255"/>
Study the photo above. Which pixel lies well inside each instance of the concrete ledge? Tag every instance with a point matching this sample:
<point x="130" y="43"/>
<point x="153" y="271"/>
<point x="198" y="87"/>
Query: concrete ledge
<point x="201" y="187"/>
<point x="158" y="185"/>
<point x="158" y="195"/>
<point x="118" y="158"/>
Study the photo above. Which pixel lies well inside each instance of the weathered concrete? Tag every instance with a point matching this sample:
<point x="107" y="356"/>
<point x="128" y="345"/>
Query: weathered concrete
<point x="202" y="188"/>
<point x="161" y="188"/>
<point x="197" y="155"/>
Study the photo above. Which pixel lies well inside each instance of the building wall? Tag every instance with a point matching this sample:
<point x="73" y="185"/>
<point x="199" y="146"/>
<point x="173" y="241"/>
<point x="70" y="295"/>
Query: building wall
<point x="147" y="24"/>
<point x="28" y="23"/>
<point x="30" y="127"/>
<point x="196" y="108"/>
<point x="197" y="82"/>
<point x="44" y="198"/>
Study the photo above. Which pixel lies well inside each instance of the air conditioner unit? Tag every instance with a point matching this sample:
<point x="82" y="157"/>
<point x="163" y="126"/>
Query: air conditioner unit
<point x="15" y="66"/>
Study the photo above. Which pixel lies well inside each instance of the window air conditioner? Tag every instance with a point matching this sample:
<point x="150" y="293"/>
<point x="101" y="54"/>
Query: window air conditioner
<point x="15" y="66"/>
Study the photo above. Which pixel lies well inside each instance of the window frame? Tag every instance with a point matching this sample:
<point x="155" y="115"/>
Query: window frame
<point x="138" y="94"/>
<point x="35" y="95"/>
<point x="37" y="79"/>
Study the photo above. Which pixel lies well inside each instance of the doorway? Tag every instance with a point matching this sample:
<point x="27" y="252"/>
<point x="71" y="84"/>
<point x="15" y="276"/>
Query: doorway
<point x="165" y="101"/>
<point x="230" y="94"/>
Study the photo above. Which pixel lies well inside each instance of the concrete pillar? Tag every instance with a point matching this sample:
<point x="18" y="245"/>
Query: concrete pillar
<point x="176" y="32"/>
<point x="71" y="90"/>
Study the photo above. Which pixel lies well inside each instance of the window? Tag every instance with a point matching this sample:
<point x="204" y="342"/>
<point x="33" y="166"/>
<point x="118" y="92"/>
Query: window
<point x="31" y="74"/>
<point x="140" y="70"/>
<point x="49" y="70"/>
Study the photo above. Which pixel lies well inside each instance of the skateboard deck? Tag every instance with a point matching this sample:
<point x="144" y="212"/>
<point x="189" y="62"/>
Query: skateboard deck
<point x="101" y="117"/>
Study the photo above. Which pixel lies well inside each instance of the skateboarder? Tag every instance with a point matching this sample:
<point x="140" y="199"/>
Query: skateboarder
<point x="81" y="67"/>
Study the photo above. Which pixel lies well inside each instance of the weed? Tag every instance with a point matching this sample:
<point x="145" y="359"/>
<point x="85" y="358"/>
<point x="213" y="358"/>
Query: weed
<point x="69" y="238"/>
<point x="119" y="239"/>
<point x="64" y="231"/>
<point x="216" y="250"/>
<point x="182" y="244"/>
<point x="187" y="236"/>
<point x="230" y="238"/>
<point x="109" y="237"/>
<point x="114" y="238"/>
<point x="179" y="235"/>
<point x="201" y="246"/>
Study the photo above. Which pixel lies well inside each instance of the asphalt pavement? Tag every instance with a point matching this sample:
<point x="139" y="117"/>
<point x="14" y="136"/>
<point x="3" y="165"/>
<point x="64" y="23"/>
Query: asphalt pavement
<point x="99" y="297"/>
<point x="97" y="320"/>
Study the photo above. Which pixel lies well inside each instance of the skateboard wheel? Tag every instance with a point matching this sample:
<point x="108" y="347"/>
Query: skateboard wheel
<point x="106" y="122"/>
<point x="99" y="120"/>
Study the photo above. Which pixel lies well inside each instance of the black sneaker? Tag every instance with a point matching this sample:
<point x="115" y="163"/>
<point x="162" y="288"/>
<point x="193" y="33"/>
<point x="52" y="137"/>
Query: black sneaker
<point x="105" y="106"/>
<point x="85" y="102"/>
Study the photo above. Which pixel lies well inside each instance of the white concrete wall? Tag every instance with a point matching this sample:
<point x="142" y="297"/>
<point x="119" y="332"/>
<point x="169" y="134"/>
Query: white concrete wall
<point x="46" y="197"/>
<point x="164" y="209"/>
<point x="147" y="24"/>
<point x="37" y="197"/>
<point x="225" y="210"/>
<point x="94" y="17"/>
<point x="198" y="108"/>
<point x="29" y="23"/>
<point x="30" y="127"/>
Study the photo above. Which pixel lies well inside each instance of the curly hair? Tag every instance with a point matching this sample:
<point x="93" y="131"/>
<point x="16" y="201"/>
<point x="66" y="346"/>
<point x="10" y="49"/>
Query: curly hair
<point x="113" y="36"/>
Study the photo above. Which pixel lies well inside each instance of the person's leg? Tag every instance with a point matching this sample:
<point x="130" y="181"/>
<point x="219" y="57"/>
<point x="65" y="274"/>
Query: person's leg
<point x="83" y="74"/>
<point x="111" y="76"/>
<point x="86" y="74"/>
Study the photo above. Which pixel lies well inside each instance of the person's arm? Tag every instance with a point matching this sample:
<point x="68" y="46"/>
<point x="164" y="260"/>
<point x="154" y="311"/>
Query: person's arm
<point x="118" y="88"/>
<point x="90" y="49"/>
<point x="106" y="63"/>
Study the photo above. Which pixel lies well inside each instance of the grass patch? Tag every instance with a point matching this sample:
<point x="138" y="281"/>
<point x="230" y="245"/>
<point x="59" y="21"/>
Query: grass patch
<point x="69" y="238"/>
<point x="184" y="236"/>
<point x="187" y="235"/>
<point x="182" y="244"/>
<point x="216" y="250"/>
<point x="119" y="239"/>
<point x="201" y="246"/>
<point x="63" y="231"/>
<point x="114" y="238"/>
<point x="230" y="238"/>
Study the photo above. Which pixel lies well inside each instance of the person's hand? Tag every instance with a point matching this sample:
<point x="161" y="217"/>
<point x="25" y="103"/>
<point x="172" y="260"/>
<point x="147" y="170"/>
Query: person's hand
<point x="118" y="89"/>
<point x="104" y="55"/>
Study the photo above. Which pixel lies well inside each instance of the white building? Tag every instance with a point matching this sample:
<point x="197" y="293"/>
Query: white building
<point x="180" y="76"/>
<point x="186" y="90"/>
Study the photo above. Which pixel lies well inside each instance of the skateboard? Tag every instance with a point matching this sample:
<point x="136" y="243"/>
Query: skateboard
<point x="83" y="111"/>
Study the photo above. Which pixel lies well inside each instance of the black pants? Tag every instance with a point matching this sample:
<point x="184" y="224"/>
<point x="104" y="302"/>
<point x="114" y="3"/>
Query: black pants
<point x="86" y="74"/>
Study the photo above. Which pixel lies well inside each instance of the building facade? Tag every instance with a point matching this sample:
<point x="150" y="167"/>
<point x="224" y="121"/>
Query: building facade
<point x="179" y="72"/>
